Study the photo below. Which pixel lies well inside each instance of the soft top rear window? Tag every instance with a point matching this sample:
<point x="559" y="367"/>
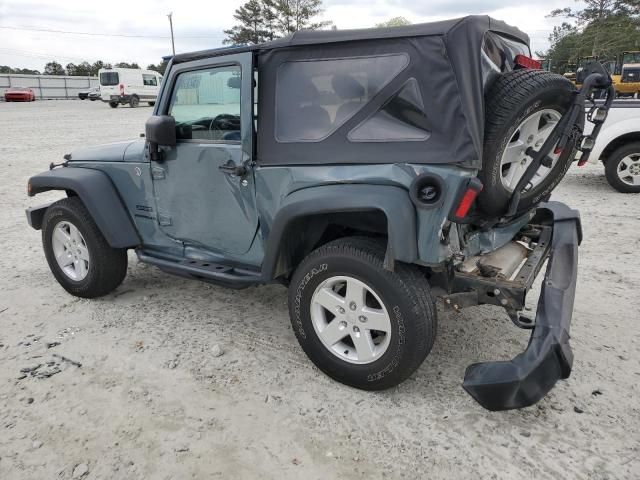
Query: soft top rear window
<point x="108" y="79"/>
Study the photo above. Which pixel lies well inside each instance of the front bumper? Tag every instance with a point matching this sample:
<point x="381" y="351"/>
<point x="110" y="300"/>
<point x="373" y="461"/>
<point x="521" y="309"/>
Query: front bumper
<point x="524" y="380"/>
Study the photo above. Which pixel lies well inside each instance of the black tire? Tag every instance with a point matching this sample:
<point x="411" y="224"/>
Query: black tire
<point x="511" y="99"/>
<point x="405" y="294"/>
<point x="113" y="104"/>
<point x="107" y="266"/>
<point x="152" y="104"/>
<point x="134" y="101"/>
<point x="612" y="163"/>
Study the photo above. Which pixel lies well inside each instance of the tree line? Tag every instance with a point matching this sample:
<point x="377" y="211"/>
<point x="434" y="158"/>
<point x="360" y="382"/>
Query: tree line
<point x="258" y="21"/>
<point x="82" y="69"/>
<point x="603" y="28"/>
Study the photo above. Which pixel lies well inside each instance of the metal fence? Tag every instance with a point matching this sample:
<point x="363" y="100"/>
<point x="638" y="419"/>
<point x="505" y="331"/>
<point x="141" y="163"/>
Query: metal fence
<point x="47" y="87"/>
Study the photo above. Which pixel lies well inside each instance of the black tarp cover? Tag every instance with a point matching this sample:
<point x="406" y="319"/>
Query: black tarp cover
<point x="444" y="58"/>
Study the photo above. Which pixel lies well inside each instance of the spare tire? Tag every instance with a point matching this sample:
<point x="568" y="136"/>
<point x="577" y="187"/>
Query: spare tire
<point x="521" y="109"/>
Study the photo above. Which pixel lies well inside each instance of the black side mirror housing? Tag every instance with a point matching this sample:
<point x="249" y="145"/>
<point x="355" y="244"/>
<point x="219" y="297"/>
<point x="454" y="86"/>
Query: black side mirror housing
<point x="161" y="130"/>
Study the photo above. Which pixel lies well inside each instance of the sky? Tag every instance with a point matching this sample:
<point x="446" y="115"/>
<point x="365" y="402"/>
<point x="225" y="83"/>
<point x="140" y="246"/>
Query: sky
<point x="138" y="30"/>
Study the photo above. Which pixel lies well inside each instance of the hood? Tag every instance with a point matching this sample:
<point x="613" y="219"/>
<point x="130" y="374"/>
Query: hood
<point x="131" y="150"/>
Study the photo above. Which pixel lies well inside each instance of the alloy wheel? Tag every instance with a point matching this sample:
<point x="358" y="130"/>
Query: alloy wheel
<point x="350" y="320"/>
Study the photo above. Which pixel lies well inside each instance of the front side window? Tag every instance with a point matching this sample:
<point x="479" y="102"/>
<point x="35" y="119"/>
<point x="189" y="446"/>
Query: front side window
<point x="206" y="104"/>
<point x="109" y="79"/>
<point x="314" y="98"/>
<point x="149" y="80"/>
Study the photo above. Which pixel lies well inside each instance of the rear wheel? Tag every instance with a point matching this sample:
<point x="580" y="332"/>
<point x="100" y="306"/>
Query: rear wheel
<point x="134" y="101"/>
<point x="359" y="323"/>
<point x="622" y="168"/>
<point x="113" y="104"/>
<point x="77" y="253"/>
<point x="522" y="109"/>
<point x="151" y="104"/>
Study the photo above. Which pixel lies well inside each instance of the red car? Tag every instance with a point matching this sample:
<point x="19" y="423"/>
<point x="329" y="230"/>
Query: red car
<point x="19" y="94"/>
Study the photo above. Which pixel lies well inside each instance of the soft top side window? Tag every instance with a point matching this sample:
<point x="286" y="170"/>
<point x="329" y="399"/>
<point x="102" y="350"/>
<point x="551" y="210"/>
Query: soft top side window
<point x="315" y="98"/>
<point x="400" y="119"/>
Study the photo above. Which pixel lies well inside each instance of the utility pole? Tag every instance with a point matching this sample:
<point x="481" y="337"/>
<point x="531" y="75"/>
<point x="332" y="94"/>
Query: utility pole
<point x="173" y="45"/>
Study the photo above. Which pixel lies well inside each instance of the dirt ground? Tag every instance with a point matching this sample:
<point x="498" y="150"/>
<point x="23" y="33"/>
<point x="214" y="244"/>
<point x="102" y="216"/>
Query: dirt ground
<point x="129" y="387"/>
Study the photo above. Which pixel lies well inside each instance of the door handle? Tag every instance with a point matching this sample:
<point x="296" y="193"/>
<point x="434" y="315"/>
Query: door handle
<point x="230" y="168"/>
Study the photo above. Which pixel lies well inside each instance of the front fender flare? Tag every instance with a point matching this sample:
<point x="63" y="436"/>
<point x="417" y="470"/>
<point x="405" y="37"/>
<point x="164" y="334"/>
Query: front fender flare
<point x="394" y="202"/>
<point x="99" y="195"/>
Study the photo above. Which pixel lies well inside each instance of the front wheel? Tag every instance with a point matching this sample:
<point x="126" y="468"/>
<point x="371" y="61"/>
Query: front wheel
<point x="134" y="101"/>
<point x="359" y="323"/>
<point x="113" y="104"/>
<point x="622" y="168"/>
<point x="77" y="253"/>
<point x="151" y="104"/>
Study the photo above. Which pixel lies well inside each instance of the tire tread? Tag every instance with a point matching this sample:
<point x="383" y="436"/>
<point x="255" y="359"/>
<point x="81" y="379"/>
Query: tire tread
<point x="414" y="286"/>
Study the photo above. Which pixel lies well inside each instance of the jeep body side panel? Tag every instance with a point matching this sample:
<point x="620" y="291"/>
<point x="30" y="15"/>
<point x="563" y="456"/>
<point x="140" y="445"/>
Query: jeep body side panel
<point x="392" y="201"/>
<point x="361" y="188"/>
<point x="99" y="195"/>
<point x="135" y="187"/>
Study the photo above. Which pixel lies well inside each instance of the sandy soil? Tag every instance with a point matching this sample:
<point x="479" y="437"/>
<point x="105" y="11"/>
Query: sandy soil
<point x="150" y="400"/>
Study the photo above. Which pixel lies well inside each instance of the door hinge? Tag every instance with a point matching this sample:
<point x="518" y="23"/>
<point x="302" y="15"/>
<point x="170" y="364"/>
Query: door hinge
<point x="164" y="220"/>
<point x="158" y="173"/>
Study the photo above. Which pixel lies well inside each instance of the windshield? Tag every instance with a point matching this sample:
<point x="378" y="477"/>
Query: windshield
<point x="108" y="79"/>
<point x="631" y="75"/>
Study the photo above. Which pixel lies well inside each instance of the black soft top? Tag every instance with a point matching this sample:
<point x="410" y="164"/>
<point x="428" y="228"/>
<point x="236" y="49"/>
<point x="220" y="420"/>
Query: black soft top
<point x="320" y="104"/>
<point x="455" y="29"/>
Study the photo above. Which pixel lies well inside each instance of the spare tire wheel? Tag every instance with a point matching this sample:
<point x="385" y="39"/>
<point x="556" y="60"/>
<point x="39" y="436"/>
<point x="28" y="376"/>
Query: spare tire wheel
<point x="521" y="110"/>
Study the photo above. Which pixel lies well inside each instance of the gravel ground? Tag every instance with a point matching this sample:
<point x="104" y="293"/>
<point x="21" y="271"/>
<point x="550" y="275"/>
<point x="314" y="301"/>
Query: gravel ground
<point x="129" y="386"/>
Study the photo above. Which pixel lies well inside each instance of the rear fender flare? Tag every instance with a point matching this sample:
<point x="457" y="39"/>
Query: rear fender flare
<point x="100" y="197"/>
<point x="393" y="202"/>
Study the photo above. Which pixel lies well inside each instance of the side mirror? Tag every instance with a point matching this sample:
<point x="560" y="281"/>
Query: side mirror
<point x="161" y="130"/>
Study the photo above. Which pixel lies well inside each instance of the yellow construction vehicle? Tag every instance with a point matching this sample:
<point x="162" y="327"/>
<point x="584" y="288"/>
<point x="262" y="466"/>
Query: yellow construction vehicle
<point x="626" y="77"/>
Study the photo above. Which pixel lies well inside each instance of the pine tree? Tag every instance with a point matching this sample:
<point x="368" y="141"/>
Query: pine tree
<point x="264" y="20"/>
<point x="251" y="28"/>
<point x="293" y="15"/>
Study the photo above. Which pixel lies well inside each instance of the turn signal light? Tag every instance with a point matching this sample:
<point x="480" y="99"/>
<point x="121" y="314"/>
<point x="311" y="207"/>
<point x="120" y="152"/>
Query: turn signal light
<point x="466" y="200"/>
<point x="527" y="62"/>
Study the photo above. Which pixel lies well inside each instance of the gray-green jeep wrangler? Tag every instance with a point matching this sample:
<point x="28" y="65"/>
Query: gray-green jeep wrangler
<point x="365" y="170"/>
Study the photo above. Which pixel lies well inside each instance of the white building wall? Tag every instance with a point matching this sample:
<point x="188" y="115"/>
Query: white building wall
<point x="47" y="87"/>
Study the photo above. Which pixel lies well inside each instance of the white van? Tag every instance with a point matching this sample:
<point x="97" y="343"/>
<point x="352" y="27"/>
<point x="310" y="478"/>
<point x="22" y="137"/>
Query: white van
<point x="129" y="85"/>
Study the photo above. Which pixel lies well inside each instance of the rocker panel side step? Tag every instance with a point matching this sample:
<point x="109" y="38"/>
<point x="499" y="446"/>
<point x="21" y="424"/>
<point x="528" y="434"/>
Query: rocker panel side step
<point x="220" y="274"/>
